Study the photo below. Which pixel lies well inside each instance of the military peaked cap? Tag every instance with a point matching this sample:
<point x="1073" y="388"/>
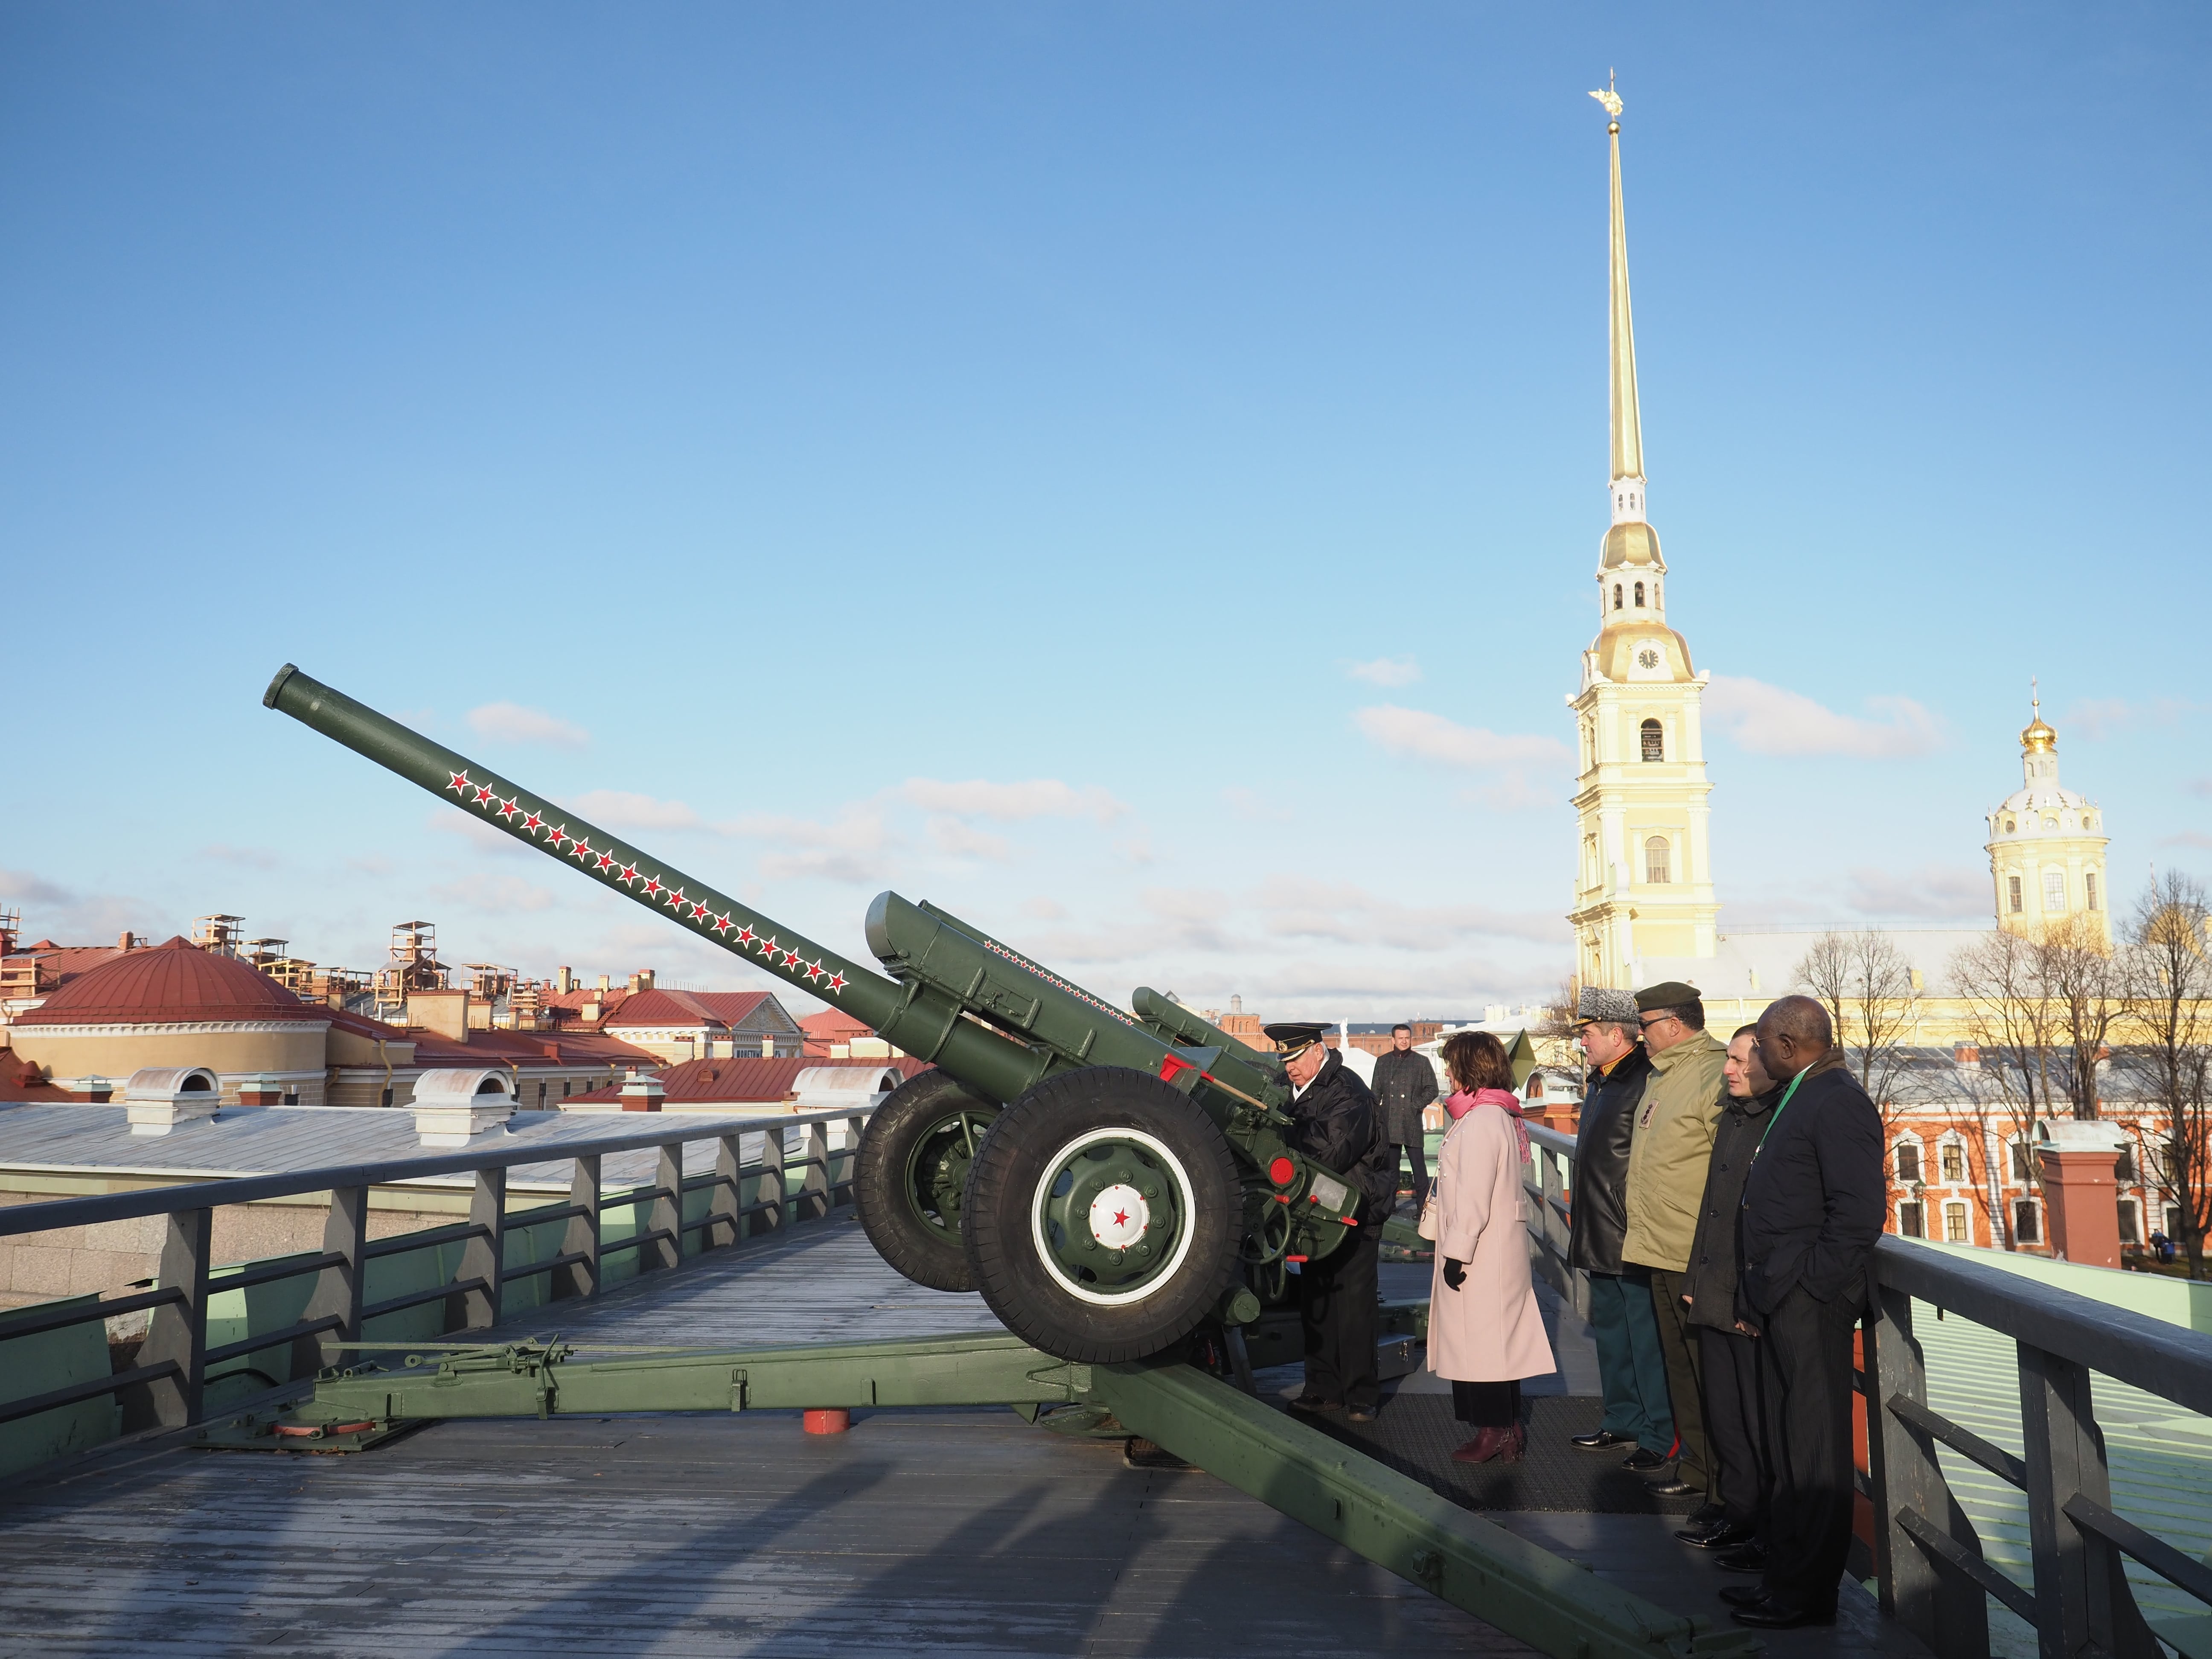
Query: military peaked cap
<point x="1597" y="1003"/>
<point x="1295" y="1036"/>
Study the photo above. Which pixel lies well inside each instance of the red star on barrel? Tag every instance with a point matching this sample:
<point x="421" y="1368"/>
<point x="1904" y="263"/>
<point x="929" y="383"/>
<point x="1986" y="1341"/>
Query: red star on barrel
<point x="675" y="900"/>
<point x="697" y="909"/>
<point x="722" y="924"/>
<point x="837" y="981"/>
<point x="652" y="887"/>
<point x="814" y="971"/>
<point x="555" y="837"/>
<point x="508" y="807"/>
<point x="746" y="935"/>
<point x="534" y="823"/>
<point x="605" y="862"/>
<point x="583" y="850"/>
<point x="460" y="785"/>
<point x="769" y="948"/>
<point x="483" y="794"/>
<point x="628" y="874"/>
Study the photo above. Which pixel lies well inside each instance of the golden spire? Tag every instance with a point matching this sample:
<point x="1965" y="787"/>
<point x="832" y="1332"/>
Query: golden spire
<point x="1627" y="421"/>
<point x="2038" y="738"/>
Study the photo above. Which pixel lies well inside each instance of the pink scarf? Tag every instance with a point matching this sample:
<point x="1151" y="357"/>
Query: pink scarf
<point x="1461" y="1103"/>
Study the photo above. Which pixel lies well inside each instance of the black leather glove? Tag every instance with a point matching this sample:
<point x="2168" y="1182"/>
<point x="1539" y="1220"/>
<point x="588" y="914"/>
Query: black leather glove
<point x="1454" y="1272"/>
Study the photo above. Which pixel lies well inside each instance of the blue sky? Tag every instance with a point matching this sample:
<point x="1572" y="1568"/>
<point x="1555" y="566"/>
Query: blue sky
<point x="973" y="449"/>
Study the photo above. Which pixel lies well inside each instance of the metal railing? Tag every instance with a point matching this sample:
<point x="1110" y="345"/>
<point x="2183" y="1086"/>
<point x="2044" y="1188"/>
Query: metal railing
<point x="167" y="1386"/>
<point x="1933" y="1575"/>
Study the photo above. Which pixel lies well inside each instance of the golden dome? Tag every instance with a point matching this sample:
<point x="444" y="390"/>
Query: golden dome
<point x="1630" y="545"/>
<point x="2036" y="737"/>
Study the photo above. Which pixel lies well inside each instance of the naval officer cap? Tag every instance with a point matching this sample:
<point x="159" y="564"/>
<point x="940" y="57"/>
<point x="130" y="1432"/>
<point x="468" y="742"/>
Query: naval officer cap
<point x="1596" y="1003"/>
<point x="1293" y="1037"/>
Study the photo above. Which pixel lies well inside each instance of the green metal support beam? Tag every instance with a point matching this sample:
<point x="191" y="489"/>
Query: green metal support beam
<point x="1527" y="1592"/>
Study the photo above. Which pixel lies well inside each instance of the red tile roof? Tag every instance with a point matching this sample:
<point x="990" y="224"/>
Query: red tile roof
<point x="749" y="1081"/>
<point x="667" y="1008"/>
<point x="172" y="984"/>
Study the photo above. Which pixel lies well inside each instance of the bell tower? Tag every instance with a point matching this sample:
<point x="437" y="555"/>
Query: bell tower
<point x="1643" y="885"/>
<point x="2046" y="846"/>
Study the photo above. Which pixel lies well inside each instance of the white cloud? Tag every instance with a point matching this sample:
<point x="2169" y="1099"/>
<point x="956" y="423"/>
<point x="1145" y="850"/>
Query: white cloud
<point x="1933" y="892"/>
<point x="1291" y="907"/>
<point x="511" y="722"/>
<point x="246" y="858"/>
<point x="1385" y="671"/>
<point x="501" y="895"/>
<point x="1432" y="737"/>
<point x="68" y="917"/>
<point x="1252" y="806"/>
<point x="1767" y="719"/>
<point x="619" y="809"/>
<point x="964" y="841"/>
<point x="1044" y="909"/>
<point x="1011" y="803"/>
<point x="853" y="847"/>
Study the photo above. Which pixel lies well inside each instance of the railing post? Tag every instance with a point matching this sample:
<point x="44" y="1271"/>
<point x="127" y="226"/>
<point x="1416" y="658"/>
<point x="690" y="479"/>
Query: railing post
<point x="338" y="1286"/>
<point x="484" y="1255"/>
<point x="722" y="1201"/>
<point x="178" y="1330"/>
<point x="841" y="1192"/>
<point x="814" y="1185"/>
<point x="770" y="1193"/>
<point x="1950" y="1613"/>
<point x="581" y="1235"/>
<point x="2083" y="1601"/>
<point x="668" y="1208"/>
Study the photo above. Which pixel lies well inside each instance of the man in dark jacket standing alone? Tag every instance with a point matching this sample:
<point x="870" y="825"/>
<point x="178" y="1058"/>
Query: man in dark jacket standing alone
<point x="1631" y="1367"/>
<point x="1333" y="1120"/>
<point x="1813" y="1207"/>
<point x="1405" y="1083"/>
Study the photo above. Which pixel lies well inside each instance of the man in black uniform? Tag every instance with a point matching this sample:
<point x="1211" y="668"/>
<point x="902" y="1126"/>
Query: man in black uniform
<point x="1334" y="1121"/>
<point x="1813" y="1207"/>
<point x="1405" y="1083"/>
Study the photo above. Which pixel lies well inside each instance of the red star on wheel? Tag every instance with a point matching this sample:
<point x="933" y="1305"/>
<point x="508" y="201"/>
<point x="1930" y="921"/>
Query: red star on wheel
<point x="460" y="785"/>
<point x="628" y="874"/>
<point x="484" y="795"/>
<point x="1120" y="1218"/>
<point x="722" y="924"/>
<point x="534" y="823"/>
<point x="814" y="971"/>
<point x="837" y="981"/>
<point x="652" y="887"/>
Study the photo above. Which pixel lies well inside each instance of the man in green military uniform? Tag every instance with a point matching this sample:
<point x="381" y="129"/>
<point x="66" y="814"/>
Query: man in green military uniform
<point x="1667" y="1167"/>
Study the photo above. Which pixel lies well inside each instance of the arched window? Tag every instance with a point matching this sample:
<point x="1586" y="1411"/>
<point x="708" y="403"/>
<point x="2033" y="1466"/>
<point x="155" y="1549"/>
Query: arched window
<point x="1656" y="858"/>
<point x="1655" y="741"/>
<point x="1908" y="1160"/>
<point x="1616" y="596"/>
<point x="1639" y="595"/>
<point x="1655" y="599"/>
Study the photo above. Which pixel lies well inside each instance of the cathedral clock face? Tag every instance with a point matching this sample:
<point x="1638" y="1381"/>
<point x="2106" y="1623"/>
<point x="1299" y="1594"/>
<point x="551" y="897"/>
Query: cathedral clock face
<point x="1647" y="659"/>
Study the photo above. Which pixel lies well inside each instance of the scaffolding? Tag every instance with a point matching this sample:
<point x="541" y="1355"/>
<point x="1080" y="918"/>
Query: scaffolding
<point x="413" y="966"/>
<point x="220" y="935"/>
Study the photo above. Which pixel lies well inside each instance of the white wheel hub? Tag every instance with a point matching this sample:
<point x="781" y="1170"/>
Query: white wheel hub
<point x="1119" y="1217"/>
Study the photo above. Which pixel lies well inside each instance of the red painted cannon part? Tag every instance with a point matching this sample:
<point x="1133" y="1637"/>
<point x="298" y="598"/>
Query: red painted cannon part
<point x="832" y="1420"/>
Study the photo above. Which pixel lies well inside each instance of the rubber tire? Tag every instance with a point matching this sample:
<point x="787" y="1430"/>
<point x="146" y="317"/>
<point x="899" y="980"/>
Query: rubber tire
<point x="910" y="1114"/>
<point x="1024" y="1144"/>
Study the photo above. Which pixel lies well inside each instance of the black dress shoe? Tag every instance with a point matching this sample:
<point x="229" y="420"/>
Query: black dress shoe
<point x="1642" y="1462"/>
<point x="1672" y="1485"/>
<point x="1726" y="1536"/>
<point x="1743" y="1596"/>
<point x="1751" y="1557"/>
<point x="1359" y="1414"/>
<point x="1600" y="1440"/>
<point x="1708" y="1515"/>
<point x="1764" y="1615"/>
<point x="1314" y="1402"/>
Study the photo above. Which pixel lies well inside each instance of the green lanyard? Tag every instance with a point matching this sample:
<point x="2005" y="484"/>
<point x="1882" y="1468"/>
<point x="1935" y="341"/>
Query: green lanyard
<point x="1781" y="1108"/>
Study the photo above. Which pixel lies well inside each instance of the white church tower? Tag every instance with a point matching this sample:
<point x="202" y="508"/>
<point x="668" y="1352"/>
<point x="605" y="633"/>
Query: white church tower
<point x="1644" y="887"/>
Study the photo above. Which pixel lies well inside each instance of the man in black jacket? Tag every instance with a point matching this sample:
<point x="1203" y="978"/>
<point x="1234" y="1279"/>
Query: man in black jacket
<point x="1812" y="1209"/>
<point x="1333" y="1119"/>
<point x="1728" y="1358"/>
<point x="1405" y="1082"/>
<point x="1632" y="1366"/>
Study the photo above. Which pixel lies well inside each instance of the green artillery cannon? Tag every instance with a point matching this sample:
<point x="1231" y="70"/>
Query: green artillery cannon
<point x="1109" y="1181"/>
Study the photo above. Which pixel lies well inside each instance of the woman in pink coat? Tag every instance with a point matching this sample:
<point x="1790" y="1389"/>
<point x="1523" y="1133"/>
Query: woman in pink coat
<point x="1486" y="1333"/>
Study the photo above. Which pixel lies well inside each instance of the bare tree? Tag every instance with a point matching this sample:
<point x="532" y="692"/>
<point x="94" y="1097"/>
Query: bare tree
<point x="2169" y="1002"/>
<point x="2083" y="987"/>
<point x="1866" y="985"/>
<point x="2007" y="1078"/>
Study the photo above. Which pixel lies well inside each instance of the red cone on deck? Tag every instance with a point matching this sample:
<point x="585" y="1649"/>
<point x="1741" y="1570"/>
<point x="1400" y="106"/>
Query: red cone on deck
<point x="831" y="1420"/>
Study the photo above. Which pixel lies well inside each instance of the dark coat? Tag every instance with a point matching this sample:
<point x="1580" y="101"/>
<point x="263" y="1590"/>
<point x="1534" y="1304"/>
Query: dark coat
<point x="1403" y="1084"/>
<point x="1334" y="1121"/>
<point x="1710" y="1281"/>
<point x="1814" y="1202"/>
<point x="1599" y="1217"/>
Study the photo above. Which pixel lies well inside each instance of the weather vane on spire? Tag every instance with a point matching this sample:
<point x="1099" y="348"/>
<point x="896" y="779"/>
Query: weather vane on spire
<point x="1609" y="98"/>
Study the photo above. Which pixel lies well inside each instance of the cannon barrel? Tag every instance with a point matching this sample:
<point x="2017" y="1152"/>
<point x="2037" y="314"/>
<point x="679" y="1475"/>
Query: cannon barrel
<point x="906" y="1014"/>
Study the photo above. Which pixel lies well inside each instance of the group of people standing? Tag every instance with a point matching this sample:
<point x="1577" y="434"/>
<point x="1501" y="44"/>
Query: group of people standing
<point x="1725" y="1206"/>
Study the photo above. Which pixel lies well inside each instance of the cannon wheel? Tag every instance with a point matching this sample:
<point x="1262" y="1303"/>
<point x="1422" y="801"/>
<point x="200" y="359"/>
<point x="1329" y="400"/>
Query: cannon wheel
<point x="910" y="1177"/>
<point x="1104" y="1215"/>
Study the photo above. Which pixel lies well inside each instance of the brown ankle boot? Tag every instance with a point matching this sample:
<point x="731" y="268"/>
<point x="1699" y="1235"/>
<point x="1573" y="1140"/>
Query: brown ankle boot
<point x="1491" y="1445"/>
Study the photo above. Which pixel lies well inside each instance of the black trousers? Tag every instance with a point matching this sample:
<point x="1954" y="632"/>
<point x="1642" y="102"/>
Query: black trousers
<point x="1728" y="1368"/>
<point x="1678" y="1345"/>
<point x="1336" y="1305"/>
<point x="1487" y="1405"/>
<point x="1805" y="1405"/>
<point x="1417" y="1155"/>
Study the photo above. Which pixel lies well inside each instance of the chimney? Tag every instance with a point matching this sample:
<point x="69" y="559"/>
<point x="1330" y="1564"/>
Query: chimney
<point x="768" y="1047"/>
<point x="260" y="1089"/>
<point x="159" y="1097"/>
<point x="603" y="985"/>
<point x="453" y="1104"/>
<point x="642" y="1094"/>
<point x="563" y="980"/>
<point x="446" y="1012"/>
<point x="127" y="941"/>
<point x="2079" y="1163"/>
